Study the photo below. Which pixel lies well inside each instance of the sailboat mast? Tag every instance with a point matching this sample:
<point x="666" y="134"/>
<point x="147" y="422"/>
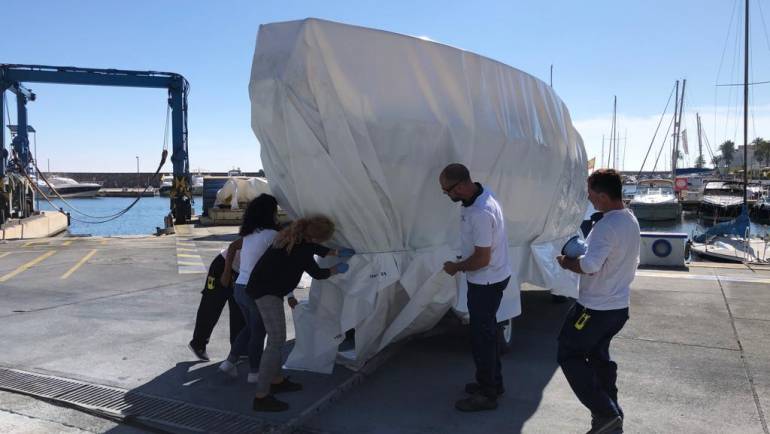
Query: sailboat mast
<point x="700" y="141"/>
<point x="676" y="132"/>
<point x="746" y="106"/>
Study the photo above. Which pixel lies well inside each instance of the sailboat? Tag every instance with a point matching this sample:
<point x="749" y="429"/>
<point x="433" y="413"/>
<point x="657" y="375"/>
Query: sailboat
<point x="731" y="241"/>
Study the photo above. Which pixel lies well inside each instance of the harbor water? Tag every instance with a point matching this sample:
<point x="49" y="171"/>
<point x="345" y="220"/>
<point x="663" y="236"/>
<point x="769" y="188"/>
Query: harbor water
<point x="142" y="219"/>
<point x="148" y="214"/>
<point x="690" y="224"/>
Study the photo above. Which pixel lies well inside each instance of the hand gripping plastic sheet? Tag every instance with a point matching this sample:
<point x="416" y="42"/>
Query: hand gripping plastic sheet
<point x="358" y="123"/>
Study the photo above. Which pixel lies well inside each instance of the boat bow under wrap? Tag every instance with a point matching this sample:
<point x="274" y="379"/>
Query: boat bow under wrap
<point x="358" y="123"/>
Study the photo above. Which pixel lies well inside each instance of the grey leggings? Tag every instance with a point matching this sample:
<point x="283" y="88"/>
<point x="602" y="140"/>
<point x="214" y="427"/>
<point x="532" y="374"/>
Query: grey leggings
<point x="271" y="309"/>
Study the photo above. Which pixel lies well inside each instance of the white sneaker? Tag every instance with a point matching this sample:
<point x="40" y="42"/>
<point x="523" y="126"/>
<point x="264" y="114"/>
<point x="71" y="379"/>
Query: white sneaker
<point x="229" y="368"/>
<point x="253" y="377"/>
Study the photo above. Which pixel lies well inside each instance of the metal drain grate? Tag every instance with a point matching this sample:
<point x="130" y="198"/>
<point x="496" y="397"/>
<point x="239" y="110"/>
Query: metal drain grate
<point x="124" y="404"/>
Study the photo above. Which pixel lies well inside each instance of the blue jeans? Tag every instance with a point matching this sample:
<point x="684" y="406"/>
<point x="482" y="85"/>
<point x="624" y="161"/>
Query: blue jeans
<point x="584" y="357"/>
<point x="483" y="302"/>
<point x="251" y="339"/>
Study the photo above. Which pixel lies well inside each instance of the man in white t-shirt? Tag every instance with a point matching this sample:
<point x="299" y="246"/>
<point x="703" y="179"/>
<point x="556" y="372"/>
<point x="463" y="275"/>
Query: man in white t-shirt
<point x="487" y="268"/>
<point x="606" y="271"/>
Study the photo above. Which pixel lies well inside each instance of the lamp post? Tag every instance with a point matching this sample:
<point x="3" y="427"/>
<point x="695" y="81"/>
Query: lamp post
<point x="138" y="177"/>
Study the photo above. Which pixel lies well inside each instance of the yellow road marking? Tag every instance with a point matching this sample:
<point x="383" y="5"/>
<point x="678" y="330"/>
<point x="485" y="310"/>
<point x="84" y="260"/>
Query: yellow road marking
<point x="104" y="241"/>
<point x="190" y="263"/>
<point x="29" y="243"/>
<point x="186" y="255"/>
<point x="185" y="244"/>
<point x="3" y="255"/>
<point x="27" y="266"/>
<point x="79" y="264"/>
<point x="186" y="249"/>
<point x="66" y="243"/>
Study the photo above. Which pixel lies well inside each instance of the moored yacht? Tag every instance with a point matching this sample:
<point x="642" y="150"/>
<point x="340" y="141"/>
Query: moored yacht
<point x="721" y="201"/>
<point x="68" y="187"/>
<point x="655" y="200"/>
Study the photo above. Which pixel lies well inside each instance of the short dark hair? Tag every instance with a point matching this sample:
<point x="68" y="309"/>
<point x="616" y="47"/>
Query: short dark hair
<point x="606" y="181"/>
<point x="259" y="214"/>
<point x="456" y="172"/>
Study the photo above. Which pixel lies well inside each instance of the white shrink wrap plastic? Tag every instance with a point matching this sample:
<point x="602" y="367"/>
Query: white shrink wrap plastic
<point x="358" y="123"/>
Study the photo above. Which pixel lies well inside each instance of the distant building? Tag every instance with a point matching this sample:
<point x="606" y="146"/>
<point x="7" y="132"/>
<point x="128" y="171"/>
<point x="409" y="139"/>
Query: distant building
<point x="738" y="158"/>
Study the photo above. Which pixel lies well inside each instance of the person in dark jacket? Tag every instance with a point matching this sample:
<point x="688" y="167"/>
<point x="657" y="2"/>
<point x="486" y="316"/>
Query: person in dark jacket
<point x="276" y="274"/>
<point x="260" y="216"/>
<point x="213" y="299"/>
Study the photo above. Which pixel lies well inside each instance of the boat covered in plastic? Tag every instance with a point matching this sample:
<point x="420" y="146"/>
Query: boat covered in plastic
<point x="357" y="124"/>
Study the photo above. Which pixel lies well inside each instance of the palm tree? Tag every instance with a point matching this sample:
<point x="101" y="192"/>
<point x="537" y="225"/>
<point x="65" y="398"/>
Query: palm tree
<point x="728" y="150"/>
<point x="716" y="161"/>
<point x="700" y="162"/>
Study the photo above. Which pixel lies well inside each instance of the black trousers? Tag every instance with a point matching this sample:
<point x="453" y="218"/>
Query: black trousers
<point x="213" y="299"/>
<point x="584" y="357"/>
<point x="483" y="302"/>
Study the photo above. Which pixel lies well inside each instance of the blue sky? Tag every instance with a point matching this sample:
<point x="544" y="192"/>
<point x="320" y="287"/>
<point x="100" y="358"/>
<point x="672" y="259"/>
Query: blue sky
<point x="632" y="49"/>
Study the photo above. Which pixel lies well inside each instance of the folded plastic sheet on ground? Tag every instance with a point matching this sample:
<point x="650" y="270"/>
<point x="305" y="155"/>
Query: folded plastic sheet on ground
<point x="357" y="124"/>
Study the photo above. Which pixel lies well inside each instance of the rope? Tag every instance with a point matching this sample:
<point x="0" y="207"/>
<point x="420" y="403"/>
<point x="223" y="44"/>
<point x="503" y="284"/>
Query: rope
<point x="663" y="145"/>
<point x="110" y="217"/>
<point x="656" y="131"/>
<point x="103" y="219"/>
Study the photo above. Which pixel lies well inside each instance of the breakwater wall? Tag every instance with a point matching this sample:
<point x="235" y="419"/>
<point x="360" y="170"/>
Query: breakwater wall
<point x="121" y="180"/>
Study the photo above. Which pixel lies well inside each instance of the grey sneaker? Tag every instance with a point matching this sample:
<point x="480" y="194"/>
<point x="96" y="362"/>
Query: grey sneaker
<point x="606" y="425"/>
<point x="229" y="369"/>
<point x="476" y="402"/>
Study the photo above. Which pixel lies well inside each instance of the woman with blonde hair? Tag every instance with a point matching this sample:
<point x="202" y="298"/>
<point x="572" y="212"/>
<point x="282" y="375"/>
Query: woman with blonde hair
<point x="276" y="274"/>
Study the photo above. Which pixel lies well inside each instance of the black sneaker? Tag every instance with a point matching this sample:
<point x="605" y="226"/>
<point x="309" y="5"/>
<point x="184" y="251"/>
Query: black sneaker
<point x="200" y="353"/>
<point x="269" y="403"/>
<point x="285" y="386"/>
<point x="476" y="402"/>
<point x="606" y="425"/>
<point x="474" y="388"/>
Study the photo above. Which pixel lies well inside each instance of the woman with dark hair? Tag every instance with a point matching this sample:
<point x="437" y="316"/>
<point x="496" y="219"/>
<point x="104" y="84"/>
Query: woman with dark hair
<point x="260" y="214"/>
<point x="260" y="224"/>
<point x="275" y="275"/>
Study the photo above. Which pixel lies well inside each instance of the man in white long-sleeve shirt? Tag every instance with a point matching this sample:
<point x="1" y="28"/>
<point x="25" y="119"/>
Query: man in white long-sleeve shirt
<point x="607" y="270"/>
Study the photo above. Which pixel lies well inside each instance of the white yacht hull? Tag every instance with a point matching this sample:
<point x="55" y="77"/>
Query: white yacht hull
<point x="656" y="211"/>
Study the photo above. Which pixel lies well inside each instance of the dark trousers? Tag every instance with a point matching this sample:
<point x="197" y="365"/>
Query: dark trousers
<point x="213" y="299"/>
<point x="483" y="302"/>
<point x="584" y="357"/>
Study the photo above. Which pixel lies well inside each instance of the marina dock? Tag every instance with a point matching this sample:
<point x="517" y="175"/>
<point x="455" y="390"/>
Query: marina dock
<point x="126" y="192"/>
<point x="101" y="325"/>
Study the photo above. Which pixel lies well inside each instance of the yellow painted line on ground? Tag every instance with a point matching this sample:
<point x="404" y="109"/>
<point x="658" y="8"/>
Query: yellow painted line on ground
<point x="190" y="263"/>
<point x="104" y="241"/>
<point x="192" y="271"/>
<point x="3" y="255"/>
<point x="66" y="243"/>
<point x="38" y="242"/>
<point x="79" y="264"/>
<point x="27" y="266"/>
<point x="186" y="255"/>
<point x="185" y="244"/>
<point x="186" y="249"/>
